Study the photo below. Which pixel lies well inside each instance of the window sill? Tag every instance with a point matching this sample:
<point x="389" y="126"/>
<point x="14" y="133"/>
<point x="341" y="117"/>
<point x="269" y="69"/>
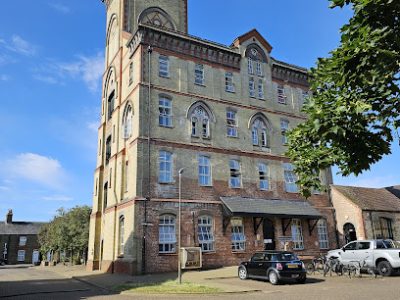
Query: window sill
<point x="207" y="186"/>
<point x="235" y="187"/>
<point x="164" y="76"/>
<point x="232" y="136"/>
<point x="167" y="254"/>
<point x="238" y="251"/>
<point x="232" y="92"/>
<point x="200" y="84"/>
<point x="292" y="192"/>
<point x="208" y="252"/>
<point x="167" y="183"/>
<point x="166" y="126"/>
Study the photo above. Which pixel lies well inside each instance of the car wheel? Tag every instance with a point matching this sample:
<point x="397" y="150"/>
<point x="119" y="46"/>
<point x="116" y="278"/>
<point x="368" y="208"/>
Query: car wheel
<point x="301" y="279"/>
<point x="242" y="273"/>
<point x="384" y="268"/>
<point x="273" y="277"/>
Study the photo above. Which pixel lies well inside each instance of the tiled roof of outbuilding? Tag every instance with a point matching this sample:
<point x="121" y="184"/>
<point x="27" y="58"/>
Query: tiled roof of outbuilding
<point x="370" y="198"/>
<point x="20" y="227"/>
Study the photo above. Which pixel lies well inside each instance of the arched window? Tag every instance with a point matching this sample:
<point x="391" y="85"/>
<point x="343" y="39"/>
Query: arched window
<point x="200" y="122"/>
<point x="166" y="234"/>
<point x="259" y="133"/>
<point x="121" y="237"/>
<point x="127" y="121"/>
<point x="105" y="196"/>
<point x="157" y="17"/>
<point x="112" y="38"/>
<point x="200" y="115"/>
<point x="205" y="233"/>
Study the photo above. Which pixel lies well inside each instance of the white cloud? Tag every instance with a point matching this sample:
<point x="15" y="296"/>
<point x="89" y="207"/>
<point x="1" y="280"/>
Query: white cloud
<point x="4" y="77"/>
<point x="4" y="188"/>
<point x="93" y="126"/>
<point x="58" y="198"/>
<point x="36" y="168"/>
<point x="19" y="45"/>
<point x="60" y="8"/>
<point x="46" y="78"/>
<point x="89" y="69"/>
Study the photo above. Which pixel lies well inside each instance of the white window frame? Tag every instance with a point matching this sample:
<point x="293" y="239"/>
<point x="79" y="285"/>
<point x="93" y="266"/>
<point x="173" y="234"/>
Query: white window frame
<point x="281" y="94"/>
<point x="167" y="234"/>
<point x="127" y="122"/>
<point x="165" y="112"/>
<point x="22" y="241"/>
<point x="231" y="123"/>
<point x="323" y="239"/>
<point x="238" y="237"/>
<point x="235" y="176"/>
<point x="250" y="66"/>
<point x="284" y="129"/>
<point x="252" y="87"/>
<point x="259" y="68"/>
<point x="260" y="89"/>
<point x="259" y="135"/>
<point x="263" y="174"/>
<point x="204" y="171"/>
<point x="297" y="235"/>
<point x="165" y="167"/>
<point x="163" y="66"/>
<point x="290" y="178"/>
<point x="205" y="233"/>
<point x="229" y="84"/>
<point x="199" y="74"/>
<point x="200" y="123"/>
<point x="21" y="255"/>
<point x="121" y="237"/>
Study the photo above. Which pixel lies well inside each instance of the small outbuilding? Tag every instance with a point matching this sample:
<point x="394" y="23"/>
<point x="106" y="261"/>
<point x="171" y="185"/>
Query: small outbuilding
<point x="366" y="213"/>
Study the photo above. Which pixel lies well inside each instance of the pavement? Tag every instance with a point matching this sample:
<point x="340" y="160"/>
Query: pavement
<point x="212" y="278"/>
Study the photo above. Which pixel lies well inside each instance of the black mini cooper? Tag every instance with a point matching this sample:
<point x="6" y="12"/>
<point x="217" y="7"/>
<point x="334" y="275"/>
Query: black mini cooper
<point x="274" y="266"/>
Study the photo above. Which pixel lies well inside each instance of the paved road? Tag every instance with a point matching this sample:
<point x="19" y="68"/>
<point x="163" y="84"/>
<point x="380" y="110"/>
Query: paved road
<point x="42" y="283"/>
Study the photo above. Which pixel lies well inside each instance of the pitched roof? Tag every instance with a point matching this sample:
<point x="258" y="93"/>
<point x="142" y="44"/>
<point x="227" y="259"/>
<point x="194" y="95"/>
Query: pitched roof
<point x="395" y="190"/>
<point x="20" y="228"/>
<point x="265" y="207"/>
<point x="370" y="198"/>
<point x="253" y="33"/>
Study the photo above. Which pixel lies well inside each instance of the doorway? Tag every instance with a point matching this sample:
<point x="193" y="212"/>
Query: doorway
<point x="349" y="232"/>
<point x="269" y="234"/>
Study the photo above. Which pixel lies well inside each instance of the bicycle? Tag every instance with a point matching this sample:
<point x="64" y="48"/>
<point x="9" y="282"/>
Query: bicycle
<point x="316" y="265"/>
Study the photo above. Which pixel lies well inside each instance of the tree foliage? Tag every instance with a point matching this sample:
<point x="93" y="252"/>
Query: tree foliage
<point x="68" y="231"/>
<point x="354" y="110"/>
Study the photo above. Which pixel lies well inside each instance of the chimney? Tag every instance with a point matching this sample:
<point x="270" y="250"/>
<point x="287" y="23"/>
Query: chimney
<point x="9" y="216"/>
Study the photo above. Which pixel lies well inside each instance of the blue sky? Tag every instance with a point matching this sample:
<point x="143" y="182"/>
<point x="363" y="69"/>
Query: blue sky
<point x="51" y="63"/>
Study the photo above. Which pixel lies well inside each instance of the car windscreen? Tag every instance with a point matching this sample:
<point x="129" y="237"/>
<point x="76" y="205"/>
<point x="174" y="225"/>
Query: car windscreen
<point x="284" y="257"/>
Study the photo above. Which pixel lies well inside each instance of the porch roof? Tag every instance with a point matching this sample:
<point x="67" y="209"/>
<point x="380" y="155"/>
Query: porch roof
<point x="240" y="206"/>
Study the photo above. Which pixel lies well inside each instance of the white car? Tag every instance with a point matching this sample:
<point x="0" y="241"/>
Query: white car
<point x="382" y="255"/>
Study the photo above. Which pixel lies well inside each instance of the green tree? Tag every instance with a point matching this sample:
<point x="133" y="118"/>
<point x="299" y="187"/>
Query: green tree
<point x="354" y="110"/>
<point x="68" y="231"/>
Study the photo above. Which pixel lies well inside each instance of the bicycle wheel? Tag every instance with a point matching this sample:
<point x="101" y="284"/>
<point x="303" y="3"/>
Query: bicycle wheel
<point x="320" y="266"/>
<point x="310" y="268"/>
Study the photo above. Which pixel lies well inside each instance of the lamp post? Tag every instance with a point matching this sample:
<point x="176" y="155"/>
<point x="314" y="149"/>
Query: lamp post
<point x="179" y="227"/>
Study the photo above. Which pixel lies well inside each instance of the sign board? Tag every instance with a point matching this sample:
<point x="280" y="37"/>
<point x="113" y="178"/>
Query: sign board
<point x="191" y="258"/>
<point x="285" y="238"/>
<point x="267" y="241"/>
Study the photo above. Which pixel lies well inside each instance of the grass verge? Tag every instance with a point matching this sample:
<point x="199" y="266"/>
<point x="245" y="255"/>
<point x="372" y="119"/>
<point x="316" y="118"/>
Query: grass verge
<point x="167" y="287"/>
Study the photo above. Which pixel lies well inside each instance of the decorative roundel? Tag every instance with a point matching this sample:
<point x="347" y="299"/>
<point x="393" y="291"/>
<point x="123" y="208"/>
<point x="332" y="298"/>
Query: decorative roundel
<point x="254" y="52"/>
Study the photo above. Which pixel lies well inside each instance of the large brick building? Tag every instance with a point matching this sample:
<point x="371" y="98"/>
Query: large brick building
<point x="171" y="101"/>
<point x="19" y="241"/>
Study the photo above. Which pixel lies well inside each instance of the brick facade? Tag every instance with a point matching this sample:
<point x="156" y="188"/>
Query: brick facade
<point x="128" y="196"/>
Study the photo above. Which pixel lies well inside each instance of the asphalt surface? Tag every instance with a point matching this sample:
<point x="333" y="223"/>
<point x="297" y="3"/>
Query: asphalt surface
<point x="42" y="283"/>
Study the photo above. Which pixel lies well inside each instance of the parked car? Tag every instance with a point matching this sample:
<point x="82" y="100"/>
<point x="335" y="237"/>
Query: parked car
<point x="275" y="266"/>
<point x="382" y="255"/>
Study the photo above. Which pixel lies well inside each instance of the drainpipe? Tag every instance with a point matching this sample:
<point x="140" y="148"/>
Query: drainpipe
<point x="144" y="262"/>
